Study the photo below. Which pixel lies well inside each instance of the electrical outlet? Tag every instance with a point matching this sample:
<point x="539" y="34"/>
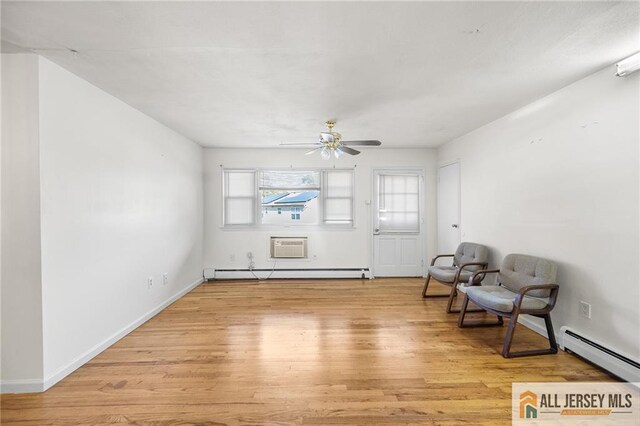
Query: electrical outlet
<point x="585" y="309"/>
<point x="150" y="282"/>
<point x="232" y="257"/>
<point x="165" y="278"/>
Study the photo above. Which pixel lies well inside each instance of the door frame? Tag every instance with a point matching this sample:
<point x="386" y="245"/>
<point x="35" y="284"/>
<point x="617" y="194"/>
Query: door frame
<point x="440" y="166"/>
<point x="420" y="171"/>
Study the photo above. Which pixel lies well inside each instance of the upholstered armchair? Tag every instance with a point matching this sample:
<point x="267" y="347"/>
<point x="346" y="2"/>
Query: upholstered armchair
<point x="525" y="285"/>
<point x="468" y="258"/>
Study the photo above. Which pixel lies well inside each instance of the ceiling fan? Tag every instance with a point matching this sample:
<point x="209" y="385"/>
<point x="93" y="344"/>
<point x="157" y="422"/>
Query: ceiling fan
<point x="331" y="143"/>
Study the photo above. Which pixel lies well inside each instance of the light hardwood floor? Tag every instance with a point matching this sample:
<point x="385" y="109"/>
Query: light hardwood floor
<point x="300" y="352"/>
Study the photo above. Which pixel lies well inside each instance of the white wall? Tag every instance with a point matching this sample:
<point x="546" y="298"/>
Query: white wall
<point x="21" y="284"/>
<point x="559" y="179"/>
<point x="121" y="202"/>
<point x="337" y="248"/>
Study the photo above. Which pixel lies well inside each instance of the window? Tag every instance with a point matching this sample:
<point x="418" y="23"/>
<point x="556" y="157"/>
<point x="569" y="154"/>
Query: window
<point x="288" y="197"/>
<point x="239" y="197"/>
<point x="294" y="192"/>
<point x="338" y="196"/>
<point x="399" y="203"/>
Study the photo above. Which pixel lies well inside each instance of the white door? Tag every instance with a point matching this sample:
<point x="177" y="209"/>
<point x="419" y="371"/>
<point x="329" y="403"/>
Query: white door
<point x="448" y="208"/>
<point x="397" y="224"/>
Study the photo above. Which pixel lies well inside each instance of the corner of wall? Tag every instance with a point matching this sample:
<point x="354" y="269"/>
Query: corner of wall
<point x="22" y="349"/>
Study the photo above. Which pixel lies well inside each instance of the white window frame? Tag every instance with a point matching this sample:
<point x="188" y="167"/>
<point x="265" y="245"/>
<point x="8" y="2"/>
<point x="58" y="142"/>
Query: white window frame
<point x="324" y="196"/>
<point x="257" y="224"/>
<point x="225" y="197"/>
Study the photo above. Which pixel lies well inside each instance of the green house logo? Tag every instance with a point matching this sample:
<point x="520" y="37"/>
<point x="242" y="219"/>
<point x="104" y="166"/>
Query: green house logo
<point x="528" y="405"/>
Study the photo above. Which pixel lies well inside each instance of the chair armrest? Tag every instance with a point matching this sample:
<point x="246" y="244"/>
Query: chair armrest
<point x="461" y="267"/>
<point x="433" y="261"/>
<point x="482" y="271"/>
<point x="524" y="290"/>
<point x="473" y="264"/>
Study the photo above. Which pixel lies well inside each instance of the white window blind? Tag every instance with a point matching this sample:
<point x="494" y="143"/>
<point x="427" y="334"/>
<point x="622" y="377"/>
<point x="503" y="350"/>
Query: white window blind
<point x="399" y="203"/>
<point x="239" y="197"/>
<point x="338" y="196"/>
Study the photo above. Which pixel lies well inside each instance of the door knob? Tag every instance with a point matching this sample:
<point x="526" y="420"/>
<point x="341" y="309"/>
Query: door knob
<point x="454" y="225"/>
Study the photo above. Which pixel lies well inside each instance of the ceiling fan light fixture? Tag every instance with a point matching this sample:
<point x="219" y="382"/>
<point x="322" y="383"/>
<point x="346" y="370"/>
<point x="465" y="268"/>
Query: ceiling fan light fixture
<point x="338" y="152"/>
<point x="325" y="154"/>
<point x="327" y="137"/>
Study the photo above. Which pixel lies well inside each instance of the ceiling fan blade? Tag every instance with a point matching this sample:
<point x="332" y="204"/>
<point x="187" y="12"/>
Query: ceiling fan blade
<point x="313" y="150"/>
<point x="300" y="144"/>
<point x="362" y="143"/>
<point x="349" y="150"/>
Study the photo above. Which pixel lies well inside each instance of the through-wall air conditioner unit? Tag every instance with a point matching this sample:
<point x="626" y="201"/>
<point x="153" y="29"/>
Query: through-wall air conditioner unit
<point x="288" y="247"/>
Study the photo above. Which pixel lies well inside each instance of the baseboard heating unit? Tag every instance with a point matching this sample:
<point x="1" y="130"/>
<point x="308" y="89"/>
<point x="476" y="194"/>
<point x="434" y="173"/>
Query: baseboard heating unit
<point x="246" y="274"/>
<point x="618" y="364"/>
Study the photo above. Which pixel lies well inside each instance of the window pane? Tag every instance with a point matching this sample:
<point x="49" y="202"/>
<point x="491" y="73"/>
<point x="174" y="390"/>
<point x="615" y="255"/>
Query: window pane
<point x="290" y="179"/>
<point x="240" y="184"/>
<point x="399" y="221"/>
<point x="399" y="203"/>
<point x="239" y="197"/>
<point x="339" y="184"/>
<point x="338" y="196"/>
<point x="338" y="209"/>
<point x="239" y="211"/>
<point x="287" y="207"/>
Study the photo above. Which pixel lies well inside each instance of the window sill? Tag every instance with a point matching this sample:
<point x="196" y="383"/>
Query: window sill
<point x="315" y="227"/>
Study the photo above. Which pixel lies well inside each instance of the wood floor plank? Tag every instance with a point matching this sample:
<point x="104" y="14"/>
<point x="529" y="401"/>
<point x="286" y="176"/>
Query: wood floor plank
<point x="300" y="352"/>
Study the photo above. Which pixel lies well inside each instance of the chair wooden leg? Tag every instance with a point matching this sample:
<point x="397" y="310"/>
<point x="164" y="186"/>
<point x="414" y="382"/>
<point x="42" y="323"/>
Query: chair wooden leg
<point x="553" y="346"/>
<point x="463" y="310"/>
<point x="426" y="287"/>
<point x="452" y="296"/>
<point x="508" y="338"/>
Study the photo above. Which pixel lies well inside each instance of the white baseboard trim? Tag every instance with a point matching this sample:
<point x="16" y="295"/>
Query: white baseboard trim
<point x="528" y="322"/>
<point x="26" y="386"/>
<point x="242" y="274"/>
<point x="21" y="386"/>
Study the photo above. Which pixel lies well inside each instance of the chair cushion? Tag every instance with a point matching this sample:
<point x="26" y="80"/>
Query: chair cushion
<point x="501" y="299"/>
<point x="519" y="270"/>
<point x="447" y="274"/>
<point x="469" y="253"/>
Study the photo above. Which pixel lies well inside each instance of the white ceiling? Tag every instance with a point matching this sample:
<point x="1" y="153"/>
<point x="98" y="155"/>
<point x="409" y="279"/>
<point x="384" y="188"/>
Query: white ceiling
<point x="238" y="74"/>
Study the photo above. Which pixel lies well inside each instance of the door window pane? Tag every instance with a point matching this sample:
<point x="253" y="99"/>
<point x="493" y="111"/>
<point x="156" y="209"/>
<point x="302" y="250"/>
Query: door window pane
<point x="399" y="203"/>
